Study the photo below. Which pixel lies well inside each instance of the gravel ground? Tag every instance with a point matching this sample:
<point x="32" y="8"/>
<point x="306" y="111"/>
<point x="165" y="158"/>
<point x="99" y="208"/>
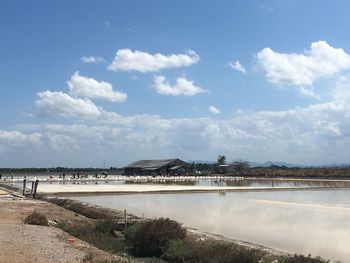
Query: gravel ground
<point x="22" y="243"/>
<point x="29" y="243"/>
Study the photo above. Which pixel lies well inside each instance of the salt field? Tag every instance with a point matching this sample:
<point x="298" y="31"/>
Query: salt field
<point x="315" y="222"/>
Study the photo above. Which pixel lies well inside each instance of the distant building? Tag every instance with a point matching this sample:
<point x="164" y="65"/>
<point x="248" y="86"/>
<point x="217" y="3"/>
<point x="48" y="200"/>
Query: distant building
<point x="226" y="169"/>
<point x="158" y="167"/>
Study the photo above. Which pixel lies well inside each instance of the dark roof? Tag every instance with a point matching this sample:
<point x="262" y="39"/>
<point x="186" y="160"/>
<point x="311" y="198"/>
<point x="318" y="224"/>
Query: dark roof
<point x="155" y="163"/>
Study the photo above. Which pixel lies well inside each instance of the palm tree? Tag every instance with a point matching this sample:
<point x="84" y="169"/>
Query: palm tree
<point x="221" y="159"/>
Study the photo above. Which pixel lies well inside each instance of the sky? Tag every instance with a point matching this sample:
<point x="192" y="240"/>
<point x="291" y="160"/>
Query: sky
<point x="94" y="83"/>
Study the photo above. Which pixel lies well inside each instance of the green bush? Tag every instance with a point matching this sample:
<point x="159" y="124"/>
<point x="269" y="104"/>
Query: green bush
<point x="222" y="252"/>
<point x="36" y="218"/>
<point x="177" y="251"/>
<point x="151" y="238"/>
<point x="106" y="226"/>
<point x="98" y="234"/>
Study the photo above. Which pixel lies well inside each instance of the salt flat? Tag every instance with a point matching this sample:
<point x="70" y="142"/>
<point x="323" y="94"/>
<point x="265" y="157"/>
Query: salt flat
<point x="143" y="188"/>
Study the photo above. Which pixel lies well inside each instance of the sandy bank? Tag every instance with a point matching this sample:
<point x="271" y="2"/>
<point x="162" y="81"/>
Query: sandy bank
<point x="23" y="243"/>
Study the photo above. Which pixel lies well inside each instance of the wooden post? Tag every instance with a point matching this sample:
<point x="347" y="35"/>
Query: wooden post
<point x="125" y="219"/>
<point x="35" y="188"/>
<point x="24" y="186"/>
<point x="32" y="189"/>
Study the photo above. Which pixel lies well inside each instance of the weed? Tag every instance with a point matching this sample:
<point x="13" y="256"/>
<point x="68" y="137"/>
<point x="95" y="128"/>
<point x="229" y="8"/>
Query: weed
<point x="304" y="259"/>
<point x="100" y="237"/>
<point x="151" y="238"/>
<point x="36" y="218"/>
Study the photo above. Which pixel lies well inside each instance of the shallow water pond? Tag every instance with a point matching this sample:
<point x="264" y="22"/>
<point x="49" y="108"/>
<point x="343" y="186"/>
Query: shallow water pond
<point x="316" y="222"/>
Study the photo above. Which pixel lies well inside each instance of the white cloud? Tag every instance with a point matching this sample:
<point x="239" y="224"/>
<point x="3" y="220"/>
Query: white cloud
<point x="128" y="60"/>
<point x="16" y="137"/>
<point x="80" y="86"/>
<point x="314" y="134"/>
<point x="10" y="141"/>
<point x="237" y="66"/>
<point x="268" y="8"/>
<point x="322" y="60"/>
<point x="214" y="110"/>
<point x="182" y="87"/>
<point x="59" y="103"/>
<point x="341" y="92"/>
<point x="92" y="59"/>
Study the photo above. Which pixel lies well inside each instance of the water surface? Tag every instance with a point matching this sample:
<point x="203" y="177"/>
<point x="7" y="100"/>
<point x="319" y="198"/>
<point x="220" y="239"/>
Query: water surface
<point x="235" y="182"/>
<point x="316" y="222"/>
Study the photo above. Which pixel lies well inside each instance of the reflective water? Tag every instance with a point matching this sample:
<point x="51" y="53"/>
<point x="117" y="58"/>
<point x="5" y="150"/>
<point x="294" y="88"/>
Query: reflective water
<point x="316" y="222"/>
<point x="246" y="182"/>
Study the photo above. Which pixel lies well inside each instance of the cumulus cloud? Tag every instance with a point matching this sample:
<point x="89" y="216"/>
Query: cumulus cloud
<point x="213" y="110"/>
<point x="92" y="59"/>
<point x="182" y="87"/>
<point x="314" y="134"/>
<point x="128" y="60"/>
<point x="60" y="103"/>
<point x="341" y="92"/>
<point x="80" y="86"/>
<point x="237" y="66"/>
<point x="321" y="60"/>
<point x="13" y="140"/>
<point x="17" y="137"/>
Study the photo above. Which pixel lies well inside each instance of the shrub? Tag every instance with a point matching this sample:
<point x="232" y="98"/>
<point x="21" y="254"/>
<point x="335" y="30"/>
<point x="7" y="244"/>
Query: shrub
<point x="221" y="252"/>
<point x="97" y="234"/>
<point x="177" y="251"/>
<point x="303" y="259"/>
<point x="84" y="209"/>
<point x="151" y="238"/>
<point x="36" y="218"/>
<point x="106" y="226"/>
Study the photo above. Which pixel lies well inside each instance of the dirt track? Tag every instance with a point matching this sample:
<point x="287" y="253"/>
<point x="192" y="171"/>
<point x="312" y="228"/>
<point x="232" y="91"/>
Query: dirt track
<point x="23" y="243"/>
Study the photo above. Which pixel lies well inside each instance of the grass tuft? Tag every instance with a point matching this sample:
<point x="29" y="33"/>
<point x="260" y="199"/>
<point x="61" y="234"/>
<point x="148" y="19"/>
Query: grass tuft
<point x="36" y="218"/>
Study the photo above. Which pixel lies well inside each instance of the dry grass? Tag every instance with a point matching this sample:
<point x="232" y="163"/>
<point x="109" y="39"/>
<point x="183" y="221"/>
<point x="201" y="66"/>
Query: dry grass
<point x="36" y="218"/>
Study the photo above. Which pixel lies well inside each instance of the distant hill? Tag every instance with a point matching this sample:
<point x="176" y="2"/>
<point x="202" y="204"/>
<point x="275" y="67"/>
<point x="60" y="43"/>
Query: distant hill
<point x="269" y="163"/>
<point x="201" y="161"/>
<point x="254" y="164"/>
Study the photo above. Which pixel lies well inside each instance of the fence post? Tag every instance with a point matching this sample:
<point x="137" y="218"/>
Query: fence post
<point x="35" y="188"/>
<point x="125" y="219"/>
<point x="24" y="186"/>
<point x="32" y="189"/>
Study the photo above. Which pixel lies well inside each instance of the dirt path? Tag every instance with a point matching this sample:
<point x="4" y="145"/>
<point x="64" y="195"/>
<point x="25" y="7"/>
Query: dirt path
<point x="23" y="243"/>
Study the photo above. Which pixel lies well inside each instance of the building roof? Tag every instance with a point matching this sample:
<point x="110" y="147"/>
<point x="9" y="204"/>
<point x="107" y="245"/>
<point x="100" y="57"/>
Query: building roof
<point x="147" y="164"/>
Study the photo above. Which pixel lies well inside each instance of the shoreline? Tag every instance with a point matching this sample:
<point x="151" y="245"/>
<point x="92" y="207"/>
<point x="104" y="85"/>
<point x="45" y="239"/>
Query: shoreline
<point x="142" y="179"/>
<point x="247" y="244"/>
<point x="30" y="243"/>
<point x="134" y="185"/>
<point x="108" y="212"/>
<point x="189" y="191"/>
<point x="193" y="232"/>
<point x="271" y="254"/>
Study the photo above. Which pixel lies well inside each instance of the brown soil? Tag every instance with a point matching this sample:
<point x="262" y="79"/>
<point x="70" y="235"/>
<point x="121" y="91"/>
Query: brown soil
<point x="23" y="243"/>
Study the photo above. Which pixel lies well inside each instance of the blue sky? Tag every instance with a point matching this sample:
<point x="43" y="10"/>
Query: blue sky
<point x="87" y="81"/>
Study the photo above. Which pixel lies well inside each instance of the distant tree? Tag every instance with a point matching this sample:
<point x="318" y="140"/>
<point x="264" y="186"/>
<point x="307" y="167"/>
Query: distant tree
<point x="221" y="159"/>
<point x="240" y="166"/>
<point x="204" y="167"/>
<point x="193" y="167"/>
